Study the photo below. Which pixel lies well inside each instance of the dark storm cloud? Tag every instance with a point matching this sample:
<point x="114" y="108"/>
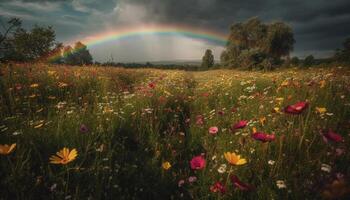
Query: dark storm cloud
<point x="320" y="25"/>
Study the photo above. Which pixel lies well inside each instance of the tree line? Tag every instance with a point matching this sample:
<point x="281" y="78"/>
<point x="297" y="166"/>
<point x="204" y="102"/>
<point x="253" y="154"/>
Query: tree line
<point x="251" y="45"/>
<point x="38" y="44"/>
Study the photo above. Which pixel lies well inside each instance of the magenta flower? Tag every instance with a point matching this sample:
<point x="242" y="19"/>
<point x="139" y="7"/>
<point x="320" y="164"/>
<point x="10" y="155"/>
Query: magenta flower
<point x="213" y="130"/>
<point x="330" y="135"/>
<point x="218" y="187"/>
<point x="263" y="137"/>
<point x="240" y="185"/>
<point x="240" y="124"/>
<point x="197" y="162"/>
<point x="297" y="108"/>
<point x="83" y="128"/>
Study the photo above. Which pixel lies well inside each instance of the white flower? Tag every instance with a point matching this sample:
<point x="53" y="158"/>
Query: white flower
<point x="280" y="184"/>
<point x="222" y="168"/>
<point x="271" y="162"/>
<point x="326" y="168"/>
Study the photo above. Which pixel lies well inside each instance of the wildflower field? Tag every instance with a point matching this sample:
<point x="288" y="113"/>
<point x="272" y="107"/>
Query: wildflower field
<point x="113" y="133"/>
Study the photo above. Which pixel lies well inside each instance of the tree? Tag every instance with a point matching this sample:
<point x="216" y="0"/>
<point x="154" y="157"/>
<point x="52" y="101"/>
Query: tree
<point x="295" y="61"/>
<point x="79" y="55"/>
<point x="6" y="33"/>
<point x="343" y="55"/>
<point x="256" y="41"/>
<point x="208" y="59"/>
<point x="309" y="60"/>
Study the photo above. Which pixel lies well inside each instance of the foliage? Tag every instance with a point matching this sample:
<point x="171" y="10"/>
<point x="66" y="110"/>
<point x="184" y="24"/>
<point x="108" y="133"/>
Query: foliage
<point x="253" y="41"/>
<point x="343" y="55"/>
<point x="309" y="60"/>
<point x="208" y="59"/>
<point x="163" y="134"/>
<point x="19" y="44"/>
<point x="79" y="55"/>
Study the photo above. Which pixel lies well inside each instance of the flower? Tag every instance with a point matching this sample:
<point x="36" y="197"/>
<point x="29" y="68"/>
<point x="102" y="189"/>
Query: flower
<point x="326" y="168"/>
<point x="152" y="85"/>
<point x="263" y="137"/>
<point x="180" y="183"/>
<point x="330" y="135"/>
<point x="34" y="85"/>
<point x="239" y="184"/>
<point x="222" y="168"/>
<point x="271" y="162"/>
<point x="218" y="187"/>
<point x="281" y="184"/>
<point x="234" y="159"/>
<point x="321" y="110"/>
<point x="6" y="149"/>
<point x="64" y="156"/>
<point x="297" y="108"/>
<point x="213" y="130"/>
<point x="199" y="120"/>
<point x="83" y="128"/>
<point x="197" y="162"/>
<point x="192" y="179"/>
<point x="166" y="165"/>
<point x="240" y="124"/>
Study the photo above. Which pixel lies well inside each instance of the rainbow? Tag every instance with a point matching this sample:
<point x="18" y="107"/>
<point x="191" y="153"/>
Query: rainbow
<point x="214" y="37"/>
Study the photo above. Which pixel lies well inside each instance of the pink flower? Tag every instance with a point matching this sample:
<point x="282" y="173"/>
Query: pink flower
<point x="240" y="124"/>
<point x="197" y="162"/>
<point x="330" y="135"/>
<point x="297" y="108"/>
<point x="180" y="183"/>
<point x="192" y="179"/>
<point x="240" y="185"/>
<point x="199" y="120"/>
<point x="263" y="137"/>
<point x="218" y="187"/>
<point x="213" y="130"/>
<point x="221" y="113"/>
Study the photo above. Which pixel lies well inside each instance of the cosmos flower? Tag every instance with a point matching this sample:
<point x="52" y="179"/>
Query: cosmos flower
<point x="332" y="136"/>
<point x="239" y="184"/>
<point x="166" y="165"/>
<point x="152" y="85"/>
<point x="199" y="120"/>
<point x="297" y="108"/>
<point x="218" y="187"/>
<point x="239" y="125"/>
<point x="192" y="179"/>
<point x="234" y="159"/>
<point x="6" y="149"/>
<point x="83" y="128"/>
<point x="263" y="137"/>
<point x="197" y="162"/>
<point x="64" y="156"/>
<point x="213" y="130"/>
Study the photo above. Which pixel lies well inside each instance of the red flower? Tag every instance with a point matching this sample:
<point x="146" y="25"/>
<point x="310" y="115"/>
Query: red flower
<point x="240" y="124"/>
<point x="218" y="187"/>
<point x="330" y="135"/>
<point x="197" y="162"/>
<point x="263" y="137"/>
<point x="240" y="185"/>
<point x="297" y="108"/>
<point x="152" y="85"/>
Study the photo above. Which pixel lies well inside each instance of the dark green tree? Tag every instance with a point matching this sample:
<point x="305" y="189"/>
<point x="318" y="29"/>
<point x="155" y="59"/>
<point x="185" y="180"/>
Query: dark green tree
<point x="295" y="61"/>
<point x="309" y="61"/>
<point x="79" y="55"/>
<point x="208" y="59"/>
<point x="343" y="55"/>
<point x="256" y="41"/>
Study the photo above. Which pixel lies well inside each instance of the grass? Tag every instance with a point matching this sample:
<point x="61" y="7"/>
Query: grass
<point x="138" y="119"/>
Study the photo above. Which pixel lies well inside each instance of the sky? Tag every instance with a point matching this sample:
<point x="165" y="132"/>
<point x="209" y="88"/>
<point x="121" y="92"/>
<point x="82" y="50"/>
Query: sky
<point x="320" y="26"/>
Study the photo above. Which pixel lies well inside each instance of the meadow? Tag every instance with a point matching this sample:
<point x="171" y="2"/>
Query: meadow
<point x="113" y="133"/>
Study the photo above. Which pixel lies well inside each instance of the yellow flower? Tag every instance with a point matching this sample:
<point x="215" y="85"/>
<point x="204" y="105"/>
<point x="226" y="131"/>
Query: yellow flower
<point x="276" y="109"/>
<point x="166" y="165"/>
<point x="34" y="85"/>
<point x="254" y="130"/>
<point x="62" y="84"/>
<point x="322" y="83"/>
<point x="234" y="159"/>
<point x="321" y="110"/>
<point x="262" y="120"/>
<point x="6" y="149"/>
<point x="64" y="156"/>
<point x="285" y="83"/>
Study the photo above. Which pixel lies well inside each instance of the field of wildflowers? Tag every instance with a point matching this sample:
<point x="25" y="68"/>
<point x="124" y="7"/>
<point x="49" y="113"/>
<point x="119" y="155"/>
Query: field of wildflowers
<point x="112" y="133"/>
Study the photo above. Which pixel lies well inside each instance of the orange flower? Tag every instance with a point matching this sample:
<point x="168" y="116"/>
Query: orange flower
<point x="64" y="156"/>
<point x="6" y="149"/>
<point x="234" y="159"/>
<point x="34" y="85"/>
